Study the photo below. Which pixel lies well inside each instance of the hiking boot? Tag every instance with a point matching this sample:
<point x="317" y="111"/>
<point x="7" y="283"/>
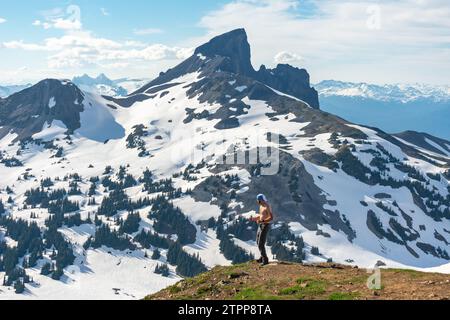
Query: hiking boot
<point x="260" y="260"/>
<point x="264" y="262"/>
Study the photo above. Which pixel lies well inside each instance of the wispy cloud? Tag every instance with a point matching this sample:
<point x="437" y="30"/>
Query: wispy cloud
<point x="104" y="11"/>
<point x="83" y="48"/>
<point x="149" y="31"/>
<point x="78" y="48"/>
<point x="356" y="40"/>
<point x="2" y="20"/>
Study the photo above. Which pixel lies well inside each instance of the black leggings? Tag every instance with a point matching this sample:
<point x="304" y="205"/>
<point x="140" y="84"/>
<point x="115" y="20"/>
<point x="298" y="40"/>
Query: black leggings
<point x="261" y="237"/>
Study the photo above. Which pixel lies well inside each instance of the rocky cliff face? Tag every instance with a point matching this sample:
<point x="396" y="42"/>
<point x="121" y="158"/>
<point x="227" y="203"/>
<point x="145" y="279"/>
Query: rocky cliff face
<point x="230" y="53"/>
<point x="26" y="112"/>
<point x="290" y="80"/>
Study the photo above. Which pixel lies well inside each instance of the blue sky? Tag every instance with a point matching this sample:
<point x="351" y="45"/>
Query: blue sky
<point x="380" y="41"/>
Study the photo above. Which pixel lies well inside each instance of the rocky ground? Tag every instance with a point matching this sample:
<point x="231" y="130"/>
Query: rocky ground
<point x="288" y="281"/>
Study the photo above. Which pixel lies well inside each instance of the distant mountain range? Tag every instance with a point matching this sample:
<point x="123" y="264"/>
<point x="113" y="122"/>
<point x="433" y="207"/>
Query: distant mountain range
<point x="393" y="108"/>
<point x="105" y="86"/>
<point x="6" y="91"/>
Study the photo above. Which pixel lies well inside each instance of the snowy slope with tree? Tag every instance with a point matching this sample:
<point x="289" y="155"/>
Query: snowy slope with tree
<point x="117" y="197"/>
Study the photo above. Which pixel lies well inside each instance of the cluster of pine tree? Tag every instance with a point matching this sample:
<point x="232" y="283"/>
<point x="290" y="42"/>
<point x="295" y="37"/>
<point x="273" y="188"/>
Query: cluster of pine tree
<point x="11" y="162"/>
<point x="62" y="251"/>
<point x="104" y="236"/>
<point x="131" y="223"/>
<point x="127" y="181"/>
<point x="171" y="220"/>
<point x="427" y="197"/>
<point x="229" y="249"/>
<point x="31" y="244"/>
<point x="280" y="235"/>
<point x="135" y="141"/>
<point x="162" y="186"/>
<point x="163" y="270"/>
<point x="118" y="200"/>
<point x="242" y="229"/>
<point x="47" y="183"/>
<point x="187" y="265"/>
<point x="147" y="239"/>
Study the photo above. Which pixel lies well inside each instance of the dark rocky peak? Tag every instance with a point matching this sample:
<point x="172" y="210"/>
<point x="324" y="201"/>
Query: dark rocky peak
<point x="230" y="53"/>
<point x="290" y="80"/>
<point x="234" y="46"/>
<point x="26" y="111"/>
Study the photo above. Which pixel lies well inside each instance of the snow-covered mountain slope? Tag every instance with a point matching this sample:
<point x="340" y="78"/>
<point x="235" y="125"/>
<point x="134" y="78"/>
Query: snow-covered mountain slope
<point x="393" y="108"/>
<point x="102" y="85"/>
<point x="115" y="187"/>
<point x="6" y="91"/>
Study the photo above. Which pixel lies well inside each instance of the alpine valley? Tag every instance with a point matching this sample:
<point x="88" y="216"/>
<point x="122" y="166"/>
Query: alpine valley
<point x="117" y="196"/>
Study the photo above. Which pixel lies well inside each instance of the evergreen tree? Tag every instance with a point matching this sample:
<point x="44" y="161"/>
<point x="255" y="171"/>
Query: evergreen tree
<point x="230" y="250"/>
<point x="57" y="274"/>
<point x="19" y="287"/>
<point x="162" y="270"/>
<point x="170" y="220"/>
<point x="46" y="183"/>
<point x="187" y="265"/>
<point x="46" y="269"/>
<point x="104" y="236"/>
<point x="92" y="189"/>
<point x="148" y="239"/>
<point x="131" y="224"/>
<point x="156" y="254"/>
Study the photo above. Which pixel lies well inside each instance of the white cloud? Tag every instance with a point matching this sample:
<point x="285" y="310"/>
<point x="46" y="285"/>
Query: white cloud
<point x="339" y="39"/>
<point x="287" y="57"/>
<point x="78" y="48"/>
<point x="66" y="24"/>
<point x="82" y="48"/>
<point x="39" y="23"/>
<point x="149" y="31"/>
<point x="2" y="20"/>
<point x="19" y="44"/>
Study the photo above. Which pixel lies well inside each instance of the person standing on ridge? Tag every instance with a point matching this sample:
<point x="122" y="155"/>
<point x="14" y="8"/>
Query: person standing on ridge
<point x="263" y="220"/>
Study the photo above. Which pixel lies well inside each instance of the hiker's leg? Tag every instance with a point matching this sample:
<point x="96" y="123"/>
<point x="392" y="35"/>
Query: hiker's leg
<point x="262" y="241"/>
<point x="258" y="241"/>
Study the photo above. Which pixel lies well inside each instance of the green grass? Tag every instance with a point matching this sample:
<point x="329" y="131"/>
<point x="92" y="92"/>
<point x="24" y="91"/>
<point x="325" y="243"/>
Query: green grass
<point x="412" y="273"/>
<point x="343" y="296"/>
<point x="305" y="288"/>
<point x="174" y="289"/>
<point x="204" y="290"/>
<point x="254" y="294"/>
<point x="362" y="279"/>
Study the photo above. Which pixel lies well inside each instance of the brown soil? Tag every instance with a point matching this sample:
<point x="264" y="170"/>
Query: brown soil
<point x="287" y="281"/>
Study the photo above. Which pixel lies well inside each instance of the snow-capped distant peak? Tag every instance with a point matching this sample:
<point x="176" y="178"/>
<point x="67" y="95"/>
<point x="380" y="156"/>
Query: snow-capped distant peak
<point x="105" y="86"/>
<point x="389" y="92"/>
